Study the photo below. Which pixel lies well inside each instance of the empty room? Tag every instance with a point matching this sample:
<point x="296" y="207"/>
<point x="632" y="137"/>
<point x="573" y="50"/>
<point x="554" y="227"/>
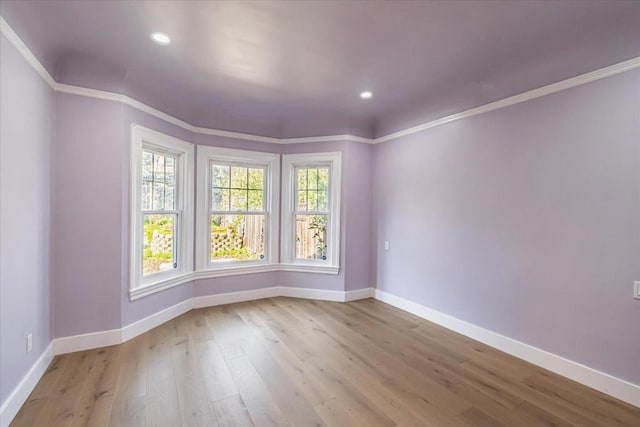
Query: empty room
<point x="320" y="213"/>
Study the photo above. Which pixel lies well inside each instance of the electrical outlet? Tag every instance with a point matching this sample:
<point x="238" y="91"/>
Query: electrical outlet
<point x="386" y="245"/>
<point x="636" y="290"/>
<point x="29" y="342"/>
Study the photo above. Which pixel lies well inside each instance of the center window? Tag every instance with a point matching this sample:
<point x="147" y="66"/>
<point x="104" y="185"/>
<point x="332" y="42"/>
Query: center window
<point x="237" y="224"/>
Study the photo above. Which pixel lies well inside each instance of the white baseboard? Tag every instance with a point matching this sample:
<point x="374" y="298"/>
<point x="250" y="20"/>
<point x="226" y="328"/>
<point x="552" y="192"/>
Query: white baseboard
<point x="605" y="383"/>
<point x="359" y="294"/>
<point x="231" y="297"/>
<point x="19" y="395"/>
<point x="282" y="291"/>
<point x="325" y="295"/>
<point x="86" y="341"/>
<point x="118" y="336"/>
<point x="319" y="294"/>
<point x="156" y="319"/>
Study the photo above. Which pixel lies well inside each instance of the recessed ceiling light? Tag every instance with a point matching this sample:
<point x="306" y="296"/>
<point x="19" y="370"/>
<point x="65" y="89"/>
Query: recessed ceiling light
<point x="366" y="95"/>
<point x="161" y="38"/>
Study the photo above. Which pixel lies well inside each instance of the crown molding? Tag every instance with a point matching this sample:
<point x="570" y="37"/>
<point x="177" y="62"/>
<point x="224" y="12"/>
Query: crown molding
<point x="569" y="83"/>
<point x="25" y="52"/>
<point x="612" y="70"/>
<point x="328" y="138"/>
<point x="236" y="135"/>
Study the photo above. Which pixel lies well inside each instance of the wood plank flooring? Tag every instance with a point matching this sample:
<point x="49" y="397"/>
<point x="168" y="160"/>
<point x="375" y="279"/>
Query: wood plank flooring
<point x="292" y="362"/>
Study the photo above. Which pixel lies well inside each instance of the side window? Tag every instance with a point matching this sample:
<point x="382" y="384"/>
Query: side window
<point x="161" y="211"/>
<point x="311" y="212"/>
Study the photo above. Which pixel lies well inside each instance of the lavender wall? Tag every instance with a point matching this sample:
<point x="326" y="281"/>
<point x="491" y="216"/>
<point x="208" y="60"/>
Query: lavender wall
<point x="524" y="221"/>
<point x="359" y="248"/>
<point x="243" y="282"/>
<point x="91" y="217"/>
<point x="87" y="215"/>
<point x="26" y="139"/>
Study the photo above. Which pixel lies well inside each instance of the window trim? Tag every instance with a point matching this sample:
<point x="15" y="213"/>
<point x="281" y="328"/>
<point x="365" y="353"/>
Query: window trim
<point x="206" y="154"/>
<point x="287" y="256"/>
<point x="142" y="138"/>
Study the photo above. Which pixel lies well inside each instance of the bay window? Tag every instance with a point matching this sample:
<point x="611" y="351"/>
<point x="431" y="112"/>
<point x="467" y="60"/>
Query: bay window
<point x="235" y="204"/>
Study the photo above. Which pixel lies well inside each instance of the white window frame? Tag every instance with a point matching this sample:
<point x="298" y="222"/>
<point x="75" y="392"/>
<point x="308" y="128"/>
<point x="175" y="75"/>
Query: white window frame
<point x="288" y="259"/>
<point x="271" y="163"/>
<point x="143" y="138"/>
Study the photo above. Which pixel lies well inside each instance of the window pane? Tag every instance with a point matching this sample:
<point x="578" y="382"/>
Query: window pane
<point x="237" y="237"/>
<point x="311" y="236"/>
<point x="302" y="179"/>
<point x="323" y="179"/>
<point x="238" y="200"/>
<point x="169" y="197"/>
<point x="220" y="199"/>
<point x="147" y="165"/>
<point x="238" y="177"/>
<point x="159" y="249"/>
<point x="158" y="167"/>
<point x="312" y="201"/>
<point x="158" y="181"/>
<point x="312" y="179"/>
<point x="158" y="196"/>
<point x="256" y="202"/>
<point x="302" y="200"/>
<point x="147" y="194"/>
<point x="170" y="170"/>
<point x="220" y="176"/>
<point x="323" y="201"/>
<point x="256" y="179"/>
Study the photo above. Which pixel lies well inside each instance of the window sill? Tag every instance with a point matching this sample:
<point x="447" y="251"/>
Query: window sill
<point x="160" y="285"/>
<point x="306" y="268"/>
<point x="164" y="284"/>
<point x="235" y="270"/>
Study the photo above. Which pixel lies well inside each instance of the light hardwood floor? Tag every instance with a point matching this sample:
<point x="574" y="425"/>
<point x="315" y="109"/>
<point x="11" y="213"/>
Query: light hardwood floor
<point x="297" y="362"/>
